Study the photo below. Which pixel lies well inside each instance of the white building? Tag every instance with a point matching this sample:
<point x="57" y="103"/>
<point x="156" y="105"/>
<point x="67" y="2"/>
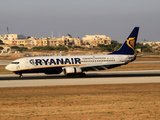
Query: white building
<point x="152" y="43"/>
<point x="11" y="37"/>
<point x="94" y="37"/>
<point x="94" y="40"/>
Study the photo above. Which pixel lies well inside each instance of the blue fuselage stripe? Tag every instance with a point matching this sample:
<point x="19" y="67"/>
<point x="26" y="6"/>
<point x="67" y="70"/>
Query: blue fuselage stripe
<point x="41" y="70"/>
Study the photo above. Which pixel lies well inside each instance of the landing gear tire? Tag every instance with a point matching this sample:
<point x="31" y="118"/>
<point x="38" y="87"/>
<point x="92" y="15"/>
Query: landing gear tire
<point x="21" y="76"/>
<point x="82" y="75"/>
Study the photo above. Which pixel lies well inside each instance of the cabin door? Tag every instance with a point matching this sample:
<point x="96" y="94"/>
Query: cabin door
<point x="27" y="64"/>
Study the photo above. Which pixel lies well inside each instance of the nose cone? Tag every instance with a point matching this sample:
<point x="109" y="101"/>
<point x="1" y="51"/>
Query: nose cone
<point x="8" y="67"/>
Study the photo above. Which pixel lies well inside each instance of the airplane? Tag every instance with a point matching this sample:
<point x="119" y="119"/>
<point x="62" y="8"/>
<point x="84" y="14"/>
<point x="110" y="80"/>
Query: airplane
<point x="78" y="64"/>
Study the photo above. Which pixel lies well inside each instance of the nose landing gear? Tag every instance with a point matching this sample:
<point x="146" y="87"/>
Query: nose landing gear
<point x="20" y="76"/>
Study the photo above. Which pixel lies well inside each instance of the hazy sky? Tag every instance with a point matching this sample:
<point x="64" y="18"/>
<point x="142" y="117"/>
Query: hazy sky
<point x="113" y="18"/>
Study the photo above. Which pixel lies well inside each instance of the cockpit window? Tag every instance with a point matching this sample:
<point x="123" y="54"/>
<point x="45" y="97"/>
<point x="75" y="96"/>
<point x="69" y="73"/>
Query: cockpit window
<point x="15" y="62"/>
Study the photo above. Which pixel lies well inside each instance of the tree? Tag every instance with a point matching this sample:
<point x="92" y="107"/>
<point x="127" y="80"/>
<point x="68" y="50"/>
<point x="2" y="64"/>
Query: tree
<point x="37" y="48"/>
<point x="76" y="46"/>
<point x="22" y="49"/>
<point x="139" y="45"/>
<point x="61" y="48"/>
<point x="147" y="50"/>
<point x="1" y="48"/>
<point x="15" y="47"/>
<point x="102" y="47"/>
<point x="118" y="46"/>
<point x="48" y="48"/>
<point x="1" y="42"/>
<point x="28" y="37"/>
<point x="144" y="48"/>
<point x="109" y="48"/>
<point x="21" y="44"/>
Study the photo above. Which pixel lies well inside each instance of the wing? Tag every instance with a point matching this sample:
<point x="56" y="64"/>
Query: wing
<point x="103" y="66"/>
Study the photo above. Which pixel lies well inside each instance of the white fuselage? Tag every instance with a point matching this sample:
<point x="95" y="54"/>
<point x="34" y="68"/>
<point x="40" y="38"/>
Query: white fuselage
<point x="48" y="62"/>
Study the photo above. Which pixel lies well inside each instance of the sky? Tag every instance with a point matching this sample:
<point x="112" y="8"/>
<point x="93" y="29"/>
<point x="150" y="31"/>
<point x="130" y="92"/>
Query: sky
<point x="113" y="18"/>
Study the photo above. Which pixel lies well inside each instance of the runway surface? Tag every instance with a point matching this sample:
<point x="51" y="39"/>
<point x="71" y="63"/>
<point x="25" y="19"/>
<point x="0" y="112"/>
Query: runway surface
<point x="105" y="77"/>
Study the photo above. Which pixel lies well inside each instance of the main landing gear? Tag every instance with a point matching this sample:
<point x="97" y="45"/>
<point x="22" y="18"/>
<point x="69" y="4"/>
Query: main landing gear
<point x="82" y="75"/>
<point x="76" y="74"/>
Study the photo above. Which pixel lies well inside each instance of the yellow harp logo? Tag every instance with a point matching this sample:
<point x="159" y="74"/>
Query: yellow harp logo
<point x="131" y="42"/>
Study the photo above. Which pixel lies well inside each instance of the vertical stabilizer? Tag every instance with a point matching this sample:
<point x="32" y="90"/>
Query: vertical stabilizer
<point x="128" y="46"/>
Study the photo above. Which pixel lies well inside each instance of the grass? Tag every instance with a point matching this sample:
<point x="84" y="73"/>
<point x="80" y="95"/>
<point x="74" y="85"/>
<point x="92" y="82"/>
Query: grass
<point x="3" y="70"/>
<point x="121" y="101"/>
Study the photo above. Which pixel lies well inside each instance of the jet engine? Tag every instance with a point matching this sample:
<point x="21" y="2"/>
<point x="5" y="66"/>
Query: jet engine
<point x="71" y="70"/>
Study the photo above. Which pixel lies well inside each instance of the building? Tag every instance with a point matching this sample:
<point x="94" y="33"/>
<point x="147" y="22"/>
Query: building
<point x="41" y="42"/>
<point x="23" y="42"/>
<point x="64" y="41"/>
<point x="55" y="42"/>
<point x="10" y="39"/>
<point x="94" y="40"/>
<point x="152" y="43"/>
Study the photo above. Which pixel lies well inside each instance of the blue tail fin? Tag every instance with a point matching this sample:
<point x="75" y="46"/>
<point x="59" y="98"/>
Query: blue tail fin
<point x="129" y="45"/>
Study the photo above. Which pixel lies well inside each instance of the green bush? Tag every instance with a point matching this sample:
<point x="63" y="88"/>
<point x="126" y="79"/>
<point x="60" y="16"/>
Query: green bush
<point x="15" y="47"/>
<point x="47" y="48"/>
<point x="144" y="48"/>
<point x="37" y="48"/>
<point x="21" y="44"/>
<point x="61" y="48"/>
<point x="109" y="48"/>
<point x="147" y="50"/>
<point x="22" y="49"/>
<point x="76" y="46"/>
<point x="118" y="46"/>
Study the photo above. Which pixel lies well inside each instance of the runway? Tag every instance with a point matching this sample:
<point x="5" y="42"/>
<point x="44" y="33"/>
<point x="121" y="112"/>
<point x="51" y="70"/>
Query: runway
<point x="105" y="77"/>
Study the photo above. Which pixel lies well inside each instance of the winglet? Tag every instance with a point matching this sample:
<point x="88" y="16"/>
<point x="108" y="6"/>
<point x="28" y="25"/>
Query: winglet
<point x="133" y="59"/>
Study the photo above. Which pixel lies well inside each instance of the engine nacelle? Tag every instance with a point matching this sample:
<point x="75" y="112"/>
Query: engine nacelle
<point x="71" y="70"/>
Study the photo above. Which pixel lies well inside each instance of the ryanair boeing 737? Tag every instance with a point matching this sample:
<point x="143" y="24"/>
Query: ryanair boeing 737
<point x="77" y="65"/>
